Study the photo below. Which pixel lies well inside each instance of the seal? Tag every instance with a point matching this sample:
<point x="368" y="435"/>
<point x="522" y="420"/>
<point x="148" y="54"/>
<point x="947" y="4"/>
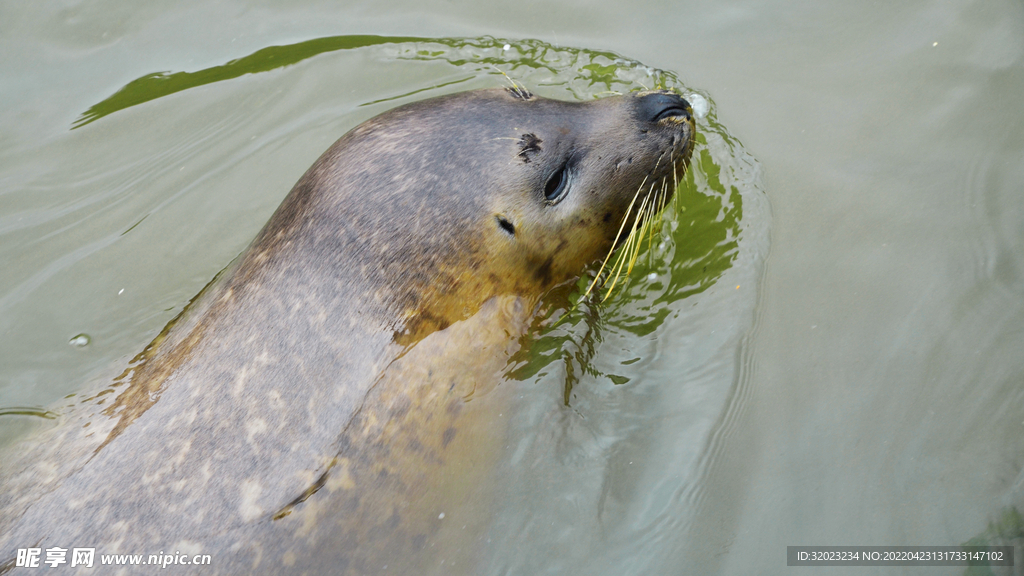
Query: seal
<point x="314" y="410"/>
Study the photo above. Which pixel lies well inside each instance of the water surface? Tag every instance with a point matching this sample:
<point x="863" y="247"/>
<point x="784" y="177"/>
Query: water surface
<point x="862" y="387"/>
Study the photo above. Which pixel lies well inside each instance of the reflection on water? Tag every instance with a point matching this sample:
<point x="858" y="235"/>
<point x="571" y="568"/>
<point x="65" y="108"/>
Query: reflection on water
<point x="160" y="84"/>
<point x="27" y="411"/>
<point x="528" y="58"/>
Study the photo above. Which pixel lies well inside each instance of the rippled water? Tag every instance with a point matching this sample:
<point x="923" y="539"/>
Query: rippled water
<point x="862" y="386"/>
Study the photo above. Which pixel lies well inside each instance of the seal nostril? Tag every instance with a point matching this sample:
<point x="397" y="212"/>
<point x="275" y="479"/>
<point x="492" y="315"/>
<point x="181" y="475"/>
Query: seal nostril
<point x="673" y="111"/>
<point x="657" y="106"/>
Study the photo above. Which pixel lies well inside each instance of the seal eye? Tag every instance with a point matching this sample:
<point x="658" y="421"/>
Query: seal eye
<point x="558" y="185"/>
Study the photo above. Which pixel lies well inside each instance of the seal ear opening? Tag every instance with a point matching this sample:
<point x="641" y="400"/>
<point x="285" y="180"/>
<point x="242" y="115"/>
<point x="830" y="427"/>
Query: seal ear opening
<point x="505" y="225"/>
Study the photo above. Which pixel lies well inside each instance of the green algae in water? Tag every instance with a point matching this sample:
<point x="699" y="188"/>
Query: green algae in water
<point x="1008" y="530"/>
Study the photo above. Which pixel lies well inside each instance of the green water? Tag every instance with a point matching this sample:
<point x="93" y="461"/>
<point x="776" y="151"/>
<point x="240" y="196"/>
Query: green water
<point x="861" y="385"/>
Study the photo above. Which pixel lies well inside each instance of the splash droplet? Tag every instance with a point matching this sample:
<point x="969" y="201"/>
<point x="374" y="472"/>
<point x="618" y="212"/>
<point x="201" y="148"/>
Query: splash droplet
<point x="80" y="341"/>
<point x="700" y="104"/>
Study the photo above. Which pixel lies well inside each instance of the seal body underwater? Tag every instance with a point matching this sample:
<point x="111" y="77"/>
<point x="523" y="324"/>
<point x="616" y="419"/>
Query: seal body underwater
<point x="310" y="411"/>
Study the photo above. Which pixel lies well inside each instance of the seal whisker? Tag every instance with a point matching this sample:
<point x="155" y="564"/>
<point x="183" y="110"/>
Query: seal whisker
<point x="646" y="222"/>
<point x="675" y="180"/>
<point x="611" y="250"/>
<point x="643" y="219"/>
<point x="515" y="89"/>
<point x="627" y="249"/>
<point x="662" y="196"/>
<point x="646" y="227"/>
<point x="653" y="220"/>
<point x="668" y="189"/>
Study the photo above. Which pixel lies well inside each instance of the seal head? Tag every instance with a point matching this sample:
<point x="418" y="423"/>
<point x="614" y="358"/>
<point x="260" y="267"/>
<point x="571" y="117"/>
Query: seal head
<point x="444" y="203"/>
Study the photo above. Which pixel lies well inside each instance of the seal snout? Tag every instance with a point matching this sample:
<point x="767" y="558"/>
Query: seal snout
<point x="656" y="106"/>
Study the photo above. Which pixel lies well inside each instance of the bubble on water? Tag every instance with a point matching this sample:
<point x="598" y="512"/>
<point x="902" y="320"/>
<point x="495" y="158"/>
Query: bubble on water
<point x="652" y="277"/>
<point x="80" y="341"/>
<point x="700" y="105"/>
